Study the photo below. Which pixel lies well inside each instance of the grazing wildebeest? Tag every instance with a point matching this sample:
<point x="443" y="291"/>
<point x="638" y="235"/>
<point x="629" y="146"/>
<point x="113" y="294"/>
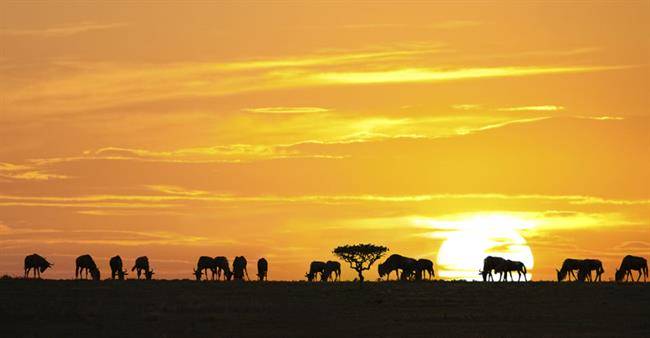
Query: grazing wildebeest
<point x="262" y="269"/>
<point x="148" y="274"/>
<point x="630" y="263"/>
<point x="587" y="266"/>
<point x="204" y="264"/>
<point x="507" y="267"/>
<point x="491" y="263"/>
<point x="568" y="267"/>
<point x="141" y="264"/>
<point x="117" y="269"/>
<point x="425" y="265"/>
<point x="331" y="266"/>
<point x="315" y="267"/>
<point x="221" y="264"/>
<point x="410" y="269"/>
<point x="395" y="263"/>
<point x="239" y="268"/>
<point x="85" y="262"/>
<point x="36" y="262"/>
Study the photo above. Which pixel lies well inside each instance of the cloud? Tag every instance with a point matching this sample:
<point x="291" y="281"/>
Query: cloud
<point x="454" y="24"/>
<point x="26" y="172"/>
<point x="466" y="106"/>
<point x="62" y="30"/>
<point x="286" y="110"/>
<point x="533" y="108"/>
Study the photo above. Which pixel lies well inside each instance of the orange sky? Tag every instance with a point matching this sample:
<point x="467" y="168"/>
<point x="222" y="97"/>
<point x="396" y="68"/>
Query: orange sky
<point x="283" y="131"/>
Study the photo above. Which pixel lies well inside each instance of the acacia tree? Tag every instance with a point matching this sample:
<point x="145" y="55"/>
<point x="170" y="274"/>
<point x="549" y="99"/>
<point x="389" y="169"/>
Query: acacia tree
<point x="360" y="256"/>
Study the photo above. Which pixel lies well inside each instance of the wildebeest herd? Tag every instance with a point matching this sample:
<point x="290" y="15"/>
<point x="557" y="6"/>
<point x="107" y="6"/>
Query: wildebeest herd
<point x="405" y="268"/>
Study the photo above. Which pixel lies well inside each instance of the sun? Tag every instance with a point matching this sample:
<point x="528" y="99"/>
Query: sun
<point x="468" y="239"/>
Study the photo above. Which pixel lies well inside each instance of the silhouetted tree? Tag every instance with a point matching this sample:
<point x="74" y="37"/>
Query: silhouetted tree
<point x="360" y="256"/>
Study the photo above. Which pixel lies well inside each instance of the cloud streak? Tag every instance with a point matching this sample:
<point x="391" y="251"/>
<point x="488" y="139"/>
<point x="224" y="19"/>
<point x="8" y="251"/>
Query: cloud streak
<point x="62" y="30"/>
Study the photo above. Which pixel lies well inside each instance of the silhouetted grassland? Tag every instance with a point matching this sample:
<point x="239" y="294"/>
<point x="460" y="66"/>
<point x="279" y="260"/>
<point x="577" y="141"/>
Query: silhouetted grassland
<point x="32" y="308"/>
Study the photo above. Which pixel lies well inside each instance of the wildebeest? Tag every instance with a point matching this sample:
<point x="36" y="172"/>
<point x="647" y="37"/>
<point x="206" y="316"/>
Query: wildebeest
<point x="507" y="266"/>
<point x="491" y="263"/>
<point x="85" y="262"/>
<point x="36" y="262"/>
<point x="315" y="268"/>
<point x="568" y="267"/>
<point x="331" y="267"/>
<point x="221" y="265"/>
<point x="117" y="269"/>
<point x="630" y="263"/>
<point x="204" y="264"/>
<point x="239" y="268"/>
<point x="395" y="263"/>
<point x="148" y="274"/>
<point x="262" y="269"/>
<point x="141" y="264"/>
<point x="589" y="265"/>
<point x="425" y="265"/>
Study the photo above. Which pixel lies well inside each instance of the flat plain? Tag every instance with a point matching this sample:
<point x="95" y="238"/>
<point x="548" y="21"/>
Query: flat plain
<point x="66" y="308"/>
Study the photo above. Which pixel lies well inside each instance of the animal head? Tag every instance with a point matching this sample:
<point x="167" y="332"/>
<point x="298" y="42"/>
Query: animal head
<point x="310" y="276"/>
<point x="198" y="274"/>
<point x="483" y="274"/>
<point x="121" y="274"/>
<point x="228" y="274"/>
<point x="95" y="274"/>
<point x="381" y="269"/>
<point x="47" y="265"/>
<point x="619" y="275"/>
<point x="148" y="274"/>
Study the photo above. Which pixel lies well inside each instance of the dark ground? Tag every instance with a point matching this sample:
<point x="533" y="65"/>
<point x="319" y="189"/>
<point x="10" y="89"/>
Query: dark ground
<point x="32" y="308"/>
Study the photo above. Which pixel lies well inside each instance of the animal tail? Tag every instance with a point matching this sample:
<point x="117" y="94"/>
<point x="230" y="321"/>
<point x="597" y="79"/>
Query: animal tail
<point x="133" y="268"/>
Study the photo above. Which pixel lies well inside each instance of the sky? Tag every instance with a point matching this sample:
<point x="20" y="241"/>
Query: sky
<point x="282" y="130"/>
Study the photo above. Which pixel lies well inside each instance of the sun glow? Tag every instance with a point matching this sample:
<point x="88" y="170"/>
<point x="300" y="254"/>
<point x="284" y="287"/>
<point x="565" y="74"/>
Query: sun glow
<point x="470" y="238"/>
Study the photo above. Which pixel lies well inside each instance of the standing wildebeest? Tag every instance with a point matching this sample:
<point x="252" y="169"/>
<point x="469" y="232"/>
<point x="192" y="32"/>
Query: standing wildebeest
<point x="568" y="267"/>
<point x="117" y="269"/>
<point x="221" y="264"/>
<point x="203" y="265"/>
<point x="410" y="269"/>
<point x="36" y="262"/>
<point x="315" y="267"/>
<point x="141" y="264"/>
<point x="239" y="268"/>
<point x="425" y="265"/>
<point x="85" y="262"/>
<point x="587" y="266"/>
<point x="262" y="269"/>
<point x="630" y="263"/>
<point x="507" y="267"/>
<point x="396" y="262"/>
<point x="491" y="263"/>
<point x="331" y="266"/>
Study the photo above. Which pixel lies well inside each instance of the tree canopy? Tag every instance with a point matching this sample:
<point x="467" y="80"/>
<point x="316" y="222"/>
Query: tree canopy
<point x="360" y="256"/>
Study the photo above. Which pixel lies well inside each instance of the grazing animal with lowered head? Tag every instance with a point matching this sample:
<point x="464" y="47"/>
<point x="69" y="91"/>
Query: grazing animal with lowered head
<point x="117" y="269"/>
<point x="490" y="263"/>
<point x="425" y="267"/>
<point x="331" y="267"/>
<point x="587" y="266"/>
<point x="37" y="263"/>
<point x="410" y="270"/>
<point x="239" y="268"/>
<point x="262" y="269"/>
<point x="315" y="268"/>
<point x="507" y="267"/>
<point x="141" y="264"/>
<point x="86" y="262"/>
<point x="569" y="266"/>
<point x="395" y="263"/>
<point x="630" y="263"/>
<point x="204" y="264"/>
<point x="222" y="266"/>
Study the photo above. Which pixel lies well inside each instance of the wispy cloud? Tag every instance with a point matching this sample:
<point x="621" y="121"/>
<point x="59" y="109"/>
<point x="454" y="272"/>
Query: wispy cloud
<point x="26" y="172"/>
<point x="62" y="30"/>
<point x="533" y="108"/>
<point x="286" y="110"/>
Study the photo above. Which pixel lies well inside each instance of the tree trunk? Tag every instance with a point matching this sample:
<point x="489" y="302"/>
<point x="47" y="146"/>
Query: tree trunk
<point x="360" y="275"/>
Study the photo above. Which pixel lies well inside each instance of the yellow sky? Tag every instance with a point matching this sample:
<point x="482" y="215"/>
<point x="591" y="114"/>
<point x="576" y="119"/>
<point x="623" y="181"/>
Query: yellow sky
<point x="285" y="130"/>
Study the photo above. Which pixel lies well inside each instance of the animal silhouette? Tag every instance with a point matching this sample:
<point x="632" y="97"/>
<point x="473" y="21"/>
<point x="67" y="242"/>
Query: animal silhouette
<point x="117" y="269"/>
<point x="86" y="262"/>
<point x="630" y="263"/>
<point x="587" y="266"/>
<point x="204" y="264"/>
<point x="395" y="263"/>
<point x="425" y="267"/>
<point x="331" y="267"/>
<point x="569" y="266"/>
<point x="222" y="266"/>
<point x="37" y="263"/>
<point x="507" y="267"/>
<point x="315" y="268"/>
<point x="490" y="263"/>
<point x="148" y="274"/>
<point x="141" y="264"/>
<point x="239" y="268"/>
<point x="262" y="269"/>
